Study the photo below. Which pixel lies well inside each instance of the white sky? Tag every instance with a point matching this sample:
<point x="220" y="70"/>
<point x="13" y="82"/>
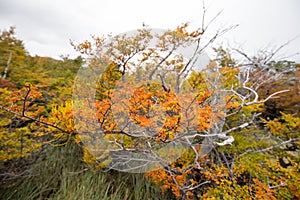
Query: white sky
<point x="46" y="26"/>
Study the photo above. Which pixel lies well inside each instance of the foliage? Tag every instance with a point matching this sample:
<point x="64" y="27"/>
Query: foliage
<point x="12" y="53"/>
<point x="288" y="102"/>
<point x="227" y="149"/>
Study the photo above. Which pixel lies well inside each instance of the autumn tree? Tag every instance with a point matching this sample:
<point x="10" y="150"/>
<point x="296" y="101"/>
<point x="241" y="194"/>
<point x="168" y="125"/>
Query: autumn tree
<point x="140" y="105"/>
<point x="12" y="52"/>
<point x="151" y="101"/>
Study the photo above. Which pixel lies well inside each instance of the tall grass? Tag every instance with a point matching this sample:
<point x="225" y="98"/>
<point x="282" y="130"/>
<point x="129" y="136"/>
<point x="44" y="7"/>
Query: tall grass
<point x="59" y="175"/>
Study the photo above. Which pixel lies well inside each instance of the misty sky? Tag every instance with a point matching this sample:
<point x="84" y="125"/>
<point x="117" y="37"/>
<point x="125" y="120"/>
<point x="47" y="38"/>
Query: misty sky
<point x="46" y="26"/>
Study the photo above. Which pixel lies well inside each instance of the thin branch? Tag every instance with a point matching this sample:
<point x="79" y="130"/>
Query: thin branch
<point x="163" y="83"/>
<point x="271" y="147"/>
<point x="163" y="60"/>
<point x="191" y="187"/>
<point x="279" y="48"/>
<point x="34" y="119"/>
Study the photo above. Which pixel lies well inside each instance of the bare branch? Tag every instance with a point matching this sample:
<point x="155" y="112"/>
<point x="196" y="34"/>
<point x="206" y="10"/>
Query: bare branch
<point x="161" y="62"/>
<point x="271" y="147"/>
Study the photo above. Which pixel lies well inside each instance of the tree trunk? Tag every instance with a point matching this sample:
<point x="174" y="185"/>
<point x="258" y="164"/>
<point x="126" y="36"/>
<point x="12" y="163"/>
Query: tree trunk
<point x="7" y="66"/>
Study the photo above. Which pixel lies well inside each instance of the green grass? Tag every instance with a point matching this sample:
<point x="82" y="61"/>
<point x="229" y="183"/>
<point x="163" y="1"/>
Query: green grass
<point x="59" y="175"/>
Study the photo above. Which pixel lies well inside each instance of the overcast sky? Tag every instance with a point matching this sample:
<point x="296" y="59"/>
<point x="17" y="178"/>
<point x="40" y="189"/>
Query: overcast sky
<point x="46" y="26"/>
